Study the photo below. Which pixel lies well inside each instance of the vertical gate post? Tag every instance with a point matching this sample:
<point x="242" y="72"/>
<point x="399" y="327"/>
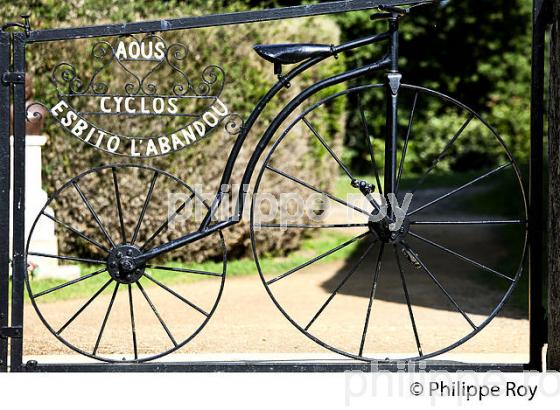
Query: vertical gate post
<point x="536" y="218"/>
<point x="553" y="353"/>
<point x="18" y="260"/>
<point x="4" y="196"/>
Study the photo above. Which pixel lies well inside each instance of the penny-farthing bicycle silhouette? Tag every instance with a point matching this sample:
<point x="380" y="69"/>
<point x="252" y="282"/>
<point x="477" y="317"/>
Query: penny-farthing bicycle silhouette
<point x="133" y="260"/>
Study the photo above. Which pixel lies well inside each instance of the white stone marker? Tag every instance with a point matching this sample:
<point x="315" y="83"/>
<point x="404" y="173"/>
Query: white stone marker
<point x="44" y="235"/>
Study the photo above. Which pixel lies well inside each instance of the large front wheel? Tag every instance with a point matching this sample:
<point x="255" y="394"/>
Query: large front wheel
<point x="364" y="282"/>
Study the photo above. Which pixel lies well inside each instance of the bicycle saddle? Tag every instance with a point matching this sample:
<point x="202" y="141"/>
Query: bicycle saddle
<point x="291" y="53"/>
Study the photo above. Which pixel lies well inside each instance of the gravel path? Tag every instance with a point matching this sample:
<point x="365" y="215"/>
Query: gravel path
<point x="246" y="320"/>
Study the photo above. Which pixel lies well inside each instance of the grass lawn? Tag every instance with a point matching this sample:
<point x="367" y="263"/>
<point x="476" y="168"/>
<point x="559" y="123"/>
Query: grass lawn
<point x="237" y="267"/>
<point x="310" y="247"/>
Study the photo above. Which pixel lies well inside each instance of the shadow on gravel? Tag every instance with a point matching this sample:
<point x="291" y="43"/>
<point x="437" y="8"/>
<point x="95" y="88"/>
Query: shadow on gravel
<point x="474" y="289"/>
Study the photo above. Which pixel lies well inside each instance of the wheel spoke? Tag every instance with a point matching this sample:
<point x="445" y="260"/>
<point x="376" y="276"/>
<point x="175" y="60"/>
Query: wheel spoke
<point x="184" y="300"/>
<point x="460" y="256"/>
<point x="440" y="286"/>
<point x="146" y="203"/>
<point x="119" y="205"/>
<point x="371" y="297"/>
<point x="71" y="282"/>
<point x="486" y="175"/>
<point x="80" y="234"/>
<point x="408" y="303"/>
<point x="312" y="188"/>
<point x="328" y="148"/>
<point x="132" y="322"/>
<point x="305" y="226"/>
<point x="406" y="139"/>
<point x="369" y="144"/>
<point x="166" y="223"/>
<point x="504" y="222"/>
<point x="67" y="258"/>
<point x="105" y="319"/>
<point x="157" y="314"/>
<point x="341" y="284"/>
<point x="84" y="306"/>
<point x="93" y="213"/>
<point x="317" y="258"/>
<point x="443" y="152"/>
<point x="184" y="270"/>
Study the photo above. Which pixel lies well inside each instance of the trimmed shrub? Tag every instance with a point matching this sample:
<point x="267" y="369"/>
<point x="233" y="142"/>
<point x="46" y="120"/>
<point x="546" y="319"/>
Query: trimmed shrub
<point x="247" y="77"/>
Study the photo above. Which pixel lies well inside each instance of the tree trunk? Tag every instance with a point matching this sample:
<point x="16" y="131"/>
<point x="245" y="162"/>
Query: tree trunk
<point x="553" y="358"/>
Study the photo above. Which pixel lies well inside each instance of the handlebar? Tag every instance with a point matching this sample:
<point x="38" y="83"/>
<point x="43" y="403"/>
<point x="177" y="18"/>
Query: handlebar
<point x="394" y="10"/>
<point x="398" y="12"/>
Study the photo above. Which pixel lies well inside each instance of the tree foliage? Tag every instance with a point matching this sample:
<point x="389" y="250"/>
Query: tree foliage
<point x="477" y="51"/>
<point x="247" y="79"/>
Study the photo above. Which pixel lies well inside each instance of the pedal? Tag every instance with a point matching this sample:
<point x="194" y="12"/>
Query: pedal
<point x="363" y="186"/>
<point x="411" y="257"/>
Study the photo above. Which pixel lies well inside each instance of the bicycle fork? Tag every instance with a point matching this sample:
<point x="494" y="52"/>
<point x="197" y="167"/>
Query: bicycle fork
<point x="387" y="229"/>
<point x="392" y="94"/>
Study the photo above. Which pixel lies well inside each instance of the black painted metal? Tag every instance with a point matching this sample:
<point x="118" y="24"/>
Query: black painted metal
<point x="536" y="203"/>
<point x="278" y="366"/>
<point x="213" y="20"/>
<point x="18" y="207"/>
<point x="19" y="39"/>
<point x="177" y="243"/>
<point x="4" y="195"/>
<point x="379" y="236"/>
<point x="117" y="275"/>
<point x="259" y="107"/>
<point x="392" y="97"/>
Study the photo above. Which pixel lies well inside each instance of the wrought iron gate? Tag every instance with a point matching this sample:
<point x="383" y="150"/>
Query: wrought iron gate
<point x="12" y="93"/>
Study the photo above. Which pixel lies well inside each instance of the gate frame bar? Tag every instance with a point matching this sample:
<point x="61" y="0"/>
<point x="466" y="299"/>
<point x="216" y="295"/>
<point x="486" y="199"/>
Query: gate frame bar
<point x="5" y="161"/>
<point x="537" y="230"/>
<point x="14" y="89"/>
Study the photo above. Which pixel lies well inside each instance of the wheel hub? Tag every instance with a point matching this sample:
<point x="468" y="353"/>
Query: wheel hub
<point x="383" y="231"/>
<point x="121" y="265"/>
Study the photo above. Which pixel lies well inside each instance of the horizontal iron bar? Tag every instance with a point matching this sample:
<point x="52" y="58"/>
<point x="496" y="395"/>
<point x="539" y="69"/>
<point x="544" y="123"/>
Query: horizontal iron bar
<point x="277" y="366"/>
<point x="179" y="97"/>
<point x="210" y="20"/>
<point x="137" y="114"/>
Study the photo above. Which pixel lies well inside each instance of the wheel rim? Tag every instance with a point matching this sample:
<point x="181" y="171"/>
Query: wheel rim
<point x="140" y="289"/>
<point x="403" y="239"/>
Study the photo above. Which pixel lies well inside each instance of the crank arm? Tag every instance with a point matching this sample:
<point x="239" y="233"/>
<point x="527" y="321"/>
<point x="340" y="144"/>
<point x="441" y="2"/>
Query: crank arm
<point x="411" y="256"/>
<point x="366" y="189"/>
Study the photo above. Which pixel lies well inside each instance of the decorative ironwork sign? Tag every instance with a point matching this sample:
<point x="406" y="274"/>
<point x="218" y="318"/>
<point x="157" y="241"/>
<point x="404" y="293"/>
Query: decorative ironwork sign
<point x="141" y="99"/>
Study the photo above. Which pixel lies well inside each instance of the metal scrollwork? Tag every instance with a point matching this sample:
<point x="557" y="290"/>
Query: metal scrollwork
<point x="64" y="74"/>
<point x="234" y="124"/>
<point x="211" y="76"/>
<point x="146" y="79"/>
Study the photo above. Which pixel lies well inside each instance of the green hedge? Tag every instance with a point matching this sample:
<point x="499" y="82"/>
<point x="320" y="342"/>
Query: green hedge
<point x="477" y="52"/>
<point x="247" y="78"/>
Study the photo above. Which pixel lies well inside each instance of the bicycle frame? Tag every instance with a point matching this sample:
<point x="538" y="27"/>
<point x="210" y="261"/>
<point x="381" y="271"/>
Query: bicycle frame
<point x="389" y="61"/>
<point x="13" y="47"/>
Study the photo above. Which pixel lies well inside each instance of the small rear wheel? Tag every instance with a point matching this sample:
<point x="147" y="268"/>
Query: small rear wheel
<point x="120" y="308"/>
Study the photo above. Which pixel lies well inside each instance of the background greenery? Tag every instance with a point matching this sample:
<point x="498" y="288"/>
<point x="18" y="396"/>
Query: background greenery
<point x="475" y="50"/>
<point x="247" y="79"/>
